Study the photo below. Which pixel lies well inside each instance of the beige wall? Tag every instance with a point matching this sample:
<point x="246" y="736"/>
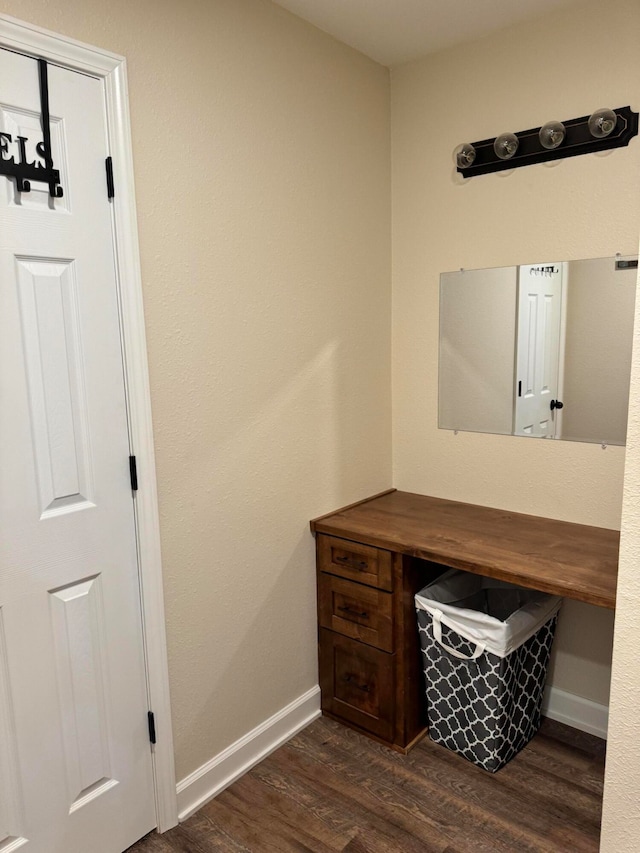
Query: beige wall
<point x="581" y="207"/>
<point x="262" y="167"/>
<point x="621" y="815"/>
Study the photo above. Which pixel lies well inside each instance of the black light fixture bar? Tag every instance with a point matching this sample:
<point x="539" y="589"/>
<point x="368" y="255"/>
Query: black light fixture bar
<point x="578" y="140"/>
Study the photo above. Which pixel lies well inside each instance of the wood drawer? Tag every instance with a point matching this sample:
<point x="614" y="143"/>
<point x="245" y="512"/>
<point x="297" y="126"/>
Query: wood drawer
<point x="356" y="611"/>
<point x="355" y="561"/>
<point x="357" y="683"/>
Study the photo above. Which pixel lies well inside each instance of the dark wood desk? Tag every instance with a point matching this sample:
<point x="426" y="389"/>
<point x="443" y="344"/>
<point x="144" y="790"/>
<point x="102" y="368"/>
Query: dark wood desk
<point x="375" y="555"/>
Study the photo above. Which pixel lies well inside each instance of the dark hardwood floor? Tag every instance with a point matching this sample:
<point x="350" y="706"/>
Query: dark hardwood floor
<point x="330" y="789"/>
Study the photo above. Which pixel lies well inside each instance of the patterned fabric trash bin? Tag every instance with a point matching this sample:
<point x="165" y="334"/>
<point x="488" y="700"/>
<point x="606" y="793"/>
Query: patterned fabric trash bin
<point x="485" y="650"/>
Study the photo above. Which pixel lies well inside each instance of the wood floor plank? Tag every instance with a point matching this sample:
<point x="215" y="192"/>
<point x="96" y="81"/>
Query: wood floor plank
<point x="546" y="789"/>
<point x="254" y="835"/>
<point x="425" y="803"/>
<point x="550" y="815"/>
<point x="373" y="800"/>
<point x="437" y="790"/>
<point x="274" y="812"/>
<point x="204" y="834"/>
<point x="481" y="800"/>
<point x="309" y="800"/>
<point x="367" y="815"/>
<point x="331" y="790"/>
<point x="577" y="758"/>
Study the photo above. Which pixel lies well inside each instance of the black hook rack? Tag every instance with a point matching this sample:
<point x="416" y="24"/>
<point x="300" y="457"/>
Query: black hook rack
<point x="21" y="170"/>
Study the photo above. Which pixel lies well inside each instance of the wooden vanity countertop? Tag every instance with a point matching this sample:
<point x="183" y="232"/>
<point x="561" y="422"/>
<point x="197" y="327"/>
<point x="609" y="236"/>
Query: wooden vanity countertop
<point x="572" y="560"/>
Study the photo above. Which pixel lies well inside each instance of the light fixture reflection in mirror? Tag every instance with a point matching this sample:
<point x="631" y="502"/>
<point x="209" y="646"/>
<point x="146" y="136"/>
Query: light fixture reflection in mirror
<point x="497" y="375"/>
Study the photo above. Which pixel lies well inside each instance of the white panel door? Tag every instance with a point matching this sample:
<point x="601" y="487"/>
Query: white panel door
<point x="75" y="760"/>
<point x="537" y="349"/>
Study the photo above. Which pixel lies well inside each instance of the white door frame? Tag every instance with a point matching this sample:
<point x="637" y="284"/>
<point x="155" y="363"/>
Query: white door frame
<point x="111" y="68"/>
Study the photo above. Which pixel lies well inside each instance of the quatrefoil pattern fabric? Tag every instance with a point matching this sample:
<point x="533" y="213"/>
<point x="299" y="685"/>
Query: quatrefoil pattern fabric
<point x="489" y="708"/>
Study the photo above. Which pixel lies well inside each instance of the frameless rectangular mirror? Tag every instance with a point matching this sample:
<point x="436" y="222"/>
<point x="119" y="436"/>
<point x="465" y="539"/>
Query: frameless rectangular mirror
<point x="541" y="350"/>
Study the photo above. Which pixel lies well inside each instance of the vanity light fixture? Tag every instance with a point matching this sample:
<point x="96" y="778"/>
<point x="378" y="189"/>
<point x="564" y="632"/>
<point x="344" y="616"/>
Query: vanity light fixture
<point x="506" y="145"/>
<point x="602" y="123"/>
<point x="552" y="134"/>
<point x="603" y="130"/>
<point x="465" y="154"/>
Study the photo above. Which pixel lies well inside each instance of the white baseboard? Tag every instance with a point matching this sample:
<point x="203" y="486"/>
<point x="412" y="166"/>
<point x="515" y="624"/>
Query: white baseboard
<point x="222" y="770"/>
<point x="575" y="711"/>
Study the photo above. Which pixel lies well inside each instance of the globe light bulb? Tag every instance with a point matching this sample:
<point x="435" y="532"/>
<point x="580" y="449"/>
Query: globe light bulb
<point x="552" y="134"/>
<point x="506" y="145"/>
<point x="602" y="123"/>
<point x="465" y="155"/>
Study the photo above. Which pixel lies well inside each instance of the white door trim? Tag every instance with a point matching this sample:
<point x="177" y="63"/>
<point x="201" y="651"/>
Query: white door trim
<point x="111" y="68"/>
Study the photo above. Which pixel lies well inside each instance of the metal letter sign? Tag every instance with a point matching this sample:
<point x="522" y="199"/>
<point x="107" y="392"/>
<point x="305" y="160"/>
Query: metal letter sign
<point x="23" y="171"/>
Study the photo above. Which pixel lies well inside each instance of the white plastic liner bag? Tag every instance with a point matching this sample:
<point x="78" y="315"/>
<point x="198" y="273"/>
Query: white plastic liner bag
<point x="494" y="615"/>
<point x="485" y="649"/>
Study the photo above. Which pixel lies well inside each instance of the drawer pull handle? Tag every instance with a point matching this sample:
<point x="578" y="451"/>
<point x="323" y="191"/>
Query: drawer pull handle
<point x="351" y="612"/>
<point x="364" y="687"/>
<point x="361" y="565"/>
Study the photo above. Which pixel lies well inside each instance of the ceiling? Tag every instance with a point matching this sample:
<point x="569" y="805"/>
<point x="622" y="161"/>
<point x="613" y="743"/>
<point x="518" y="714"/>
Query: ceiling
<point x="396" y="31"/>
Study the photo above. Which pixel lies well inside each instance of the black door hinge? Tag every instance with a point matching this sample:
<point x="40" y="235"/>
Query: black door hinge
<point x="109" y="167"/>
<point x="152" y="727"/>
<point x="133" y="472"/>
